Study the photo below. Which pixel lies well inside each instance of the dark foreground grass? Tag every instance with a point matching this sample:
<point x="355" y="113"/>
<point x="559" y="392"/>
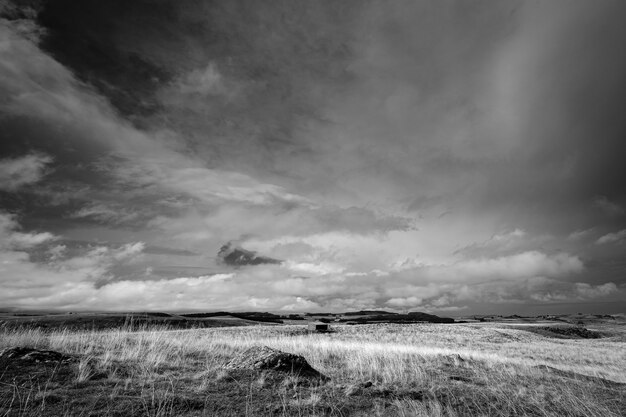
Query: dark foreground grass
<point x="68" y="389"/>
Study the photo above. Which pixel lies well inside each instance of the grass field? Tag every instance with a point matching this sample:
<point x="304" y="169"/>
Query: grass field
<point x="379" y="369"/>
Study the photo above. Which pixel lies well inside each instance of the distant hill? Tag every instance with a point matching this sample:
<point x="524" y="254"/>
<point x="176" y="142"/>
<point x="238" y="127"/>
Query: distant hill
<point x="366" y="312"/>
<point x="376" y="316"/>
<point x="252" y="316"/>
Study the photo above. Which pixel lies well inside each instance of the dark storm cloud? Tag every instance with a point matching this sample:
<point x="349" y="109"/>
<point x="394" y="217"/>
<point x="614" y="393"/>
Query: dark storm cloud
<point x="567" y="87"/>
<point x="232" y="255"/>
<point x="399" y="154"/>
<point x="270" y="64"/>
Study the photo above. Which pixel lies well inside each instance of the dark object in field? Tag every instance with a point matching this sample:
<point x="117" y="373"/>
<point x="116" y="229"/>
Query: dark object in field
<point x="318" y="326"/>
<point x="34" y="355"/>
<point x="266" y="358"/>
<point x="565" y="332"/>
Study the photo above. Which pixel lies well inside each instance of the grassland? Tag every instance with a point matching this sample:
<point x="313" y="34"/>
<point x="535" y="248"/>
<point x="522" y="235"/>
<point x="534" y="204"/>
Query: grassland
<point x="375" y="369"/>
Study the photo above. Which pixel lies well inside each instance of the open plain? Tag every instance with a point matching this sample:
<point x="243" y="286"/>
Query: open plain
<point x="385" y="369"/>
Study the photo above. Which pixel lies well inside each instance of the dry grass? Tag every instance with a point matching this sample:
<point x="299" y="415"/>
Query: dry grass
<point x="416" y="370"/>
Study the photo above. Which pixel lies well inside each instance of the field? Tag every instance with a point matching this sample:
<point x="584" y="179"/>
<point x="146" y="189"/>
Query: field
<point x="388" y="369"/>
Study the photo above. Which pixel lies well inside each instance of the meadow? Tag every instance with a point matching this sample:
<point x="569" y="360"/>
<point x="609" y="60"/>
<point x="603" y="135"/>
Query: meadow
<point x="374" y="370"/>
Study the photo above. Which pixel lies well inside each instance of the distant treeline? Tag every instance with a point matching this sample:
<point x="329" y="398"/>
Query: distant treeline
<point x="414" y="317"/>
<point x="368" y="312"/>
<point x="361" y="317"/>
<point x="251" y="315"/>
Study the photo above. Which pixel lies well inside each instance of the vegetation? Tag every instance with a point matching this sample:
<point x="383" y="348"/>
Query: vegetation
<point x="375" y="369"/>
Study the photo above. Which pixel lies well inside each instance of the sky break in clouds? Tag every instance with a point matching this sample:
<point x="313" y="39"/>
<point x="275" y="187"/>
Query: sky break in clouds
<point x="448" y="156"/>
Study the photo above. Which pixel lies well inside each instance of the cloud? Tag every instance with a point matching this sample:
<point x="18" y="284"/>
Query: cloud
<point x="616" y="237"/>
<point x="107" y="214"/>
<point x="400" y="155"/>
<point x="12" y="239"/>
<point x="607" y="206"/>
<point x="202" y="83"/>
<point x="587" y="291"/>
<point x="16" y="173"/>
<point x="237" y="256"/>
<point x="527" y="264"/>
<point x="503" y="243"/>
<point x="156" y="163"/>
<point x="84" y="279"/>
<point x="158" y="250"/>
<point x="63" y="280"/>
<point x="580" y="234"/>
<point x="274" y="287"/>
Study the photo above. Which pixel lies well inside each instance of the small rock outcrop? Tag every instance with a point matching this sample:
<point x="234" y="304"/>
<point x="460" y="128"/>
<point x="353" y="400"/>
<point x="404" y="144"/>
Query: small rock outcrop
<point x="454" y="359"/>
<point x="266" y="358"/>
<point x="34" y="355"/>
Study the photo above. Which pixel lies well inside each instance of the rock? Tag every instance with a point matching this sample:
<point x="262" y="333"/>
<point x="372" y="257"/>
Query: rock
<point x="266" y="358"/>
<point x="455" y="357"/>
<point x="454" y="360"/>
<point x="34" y="355"/>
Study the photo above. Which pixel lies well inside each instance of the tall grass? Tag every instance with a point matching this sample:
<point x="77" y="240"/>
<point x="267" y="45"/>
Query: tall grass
<point x="498" y="363"/>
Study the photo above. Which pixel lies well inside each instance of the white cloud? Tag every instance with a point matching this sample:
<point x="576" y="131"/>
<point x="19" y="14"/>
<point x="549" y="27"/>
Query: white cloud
<point x="580" y="234"/>
<point x="106" y="213"/>
<point x="59" y="282"/>
<point x="527" y="264"/>
<point x="28" y="240"/>
<point x="404" y="302"/>
<point x="588" y="291"/>
<point x="214" y="186"/>
<point x="616" y="237"/>
<point x="607" y="206"/>
<point x="272" y="288"/>
<point x="207" y="81"/>
<point x="12" y="239"/>
<point x="319" y="268"/>
<point x="500" y="269"/>
<point x="25" y="170"/>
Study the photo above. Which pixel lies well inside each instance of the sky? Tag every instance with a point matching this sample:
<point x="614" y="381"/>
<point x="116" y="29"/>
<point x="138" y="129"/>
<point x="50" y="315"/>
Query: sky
<point x="442" y="156"/>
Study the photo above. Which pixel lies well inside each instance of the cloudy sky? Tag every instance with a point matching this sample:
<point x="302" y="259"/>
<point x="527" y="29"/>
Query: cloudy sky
<point x="445" y="156"/>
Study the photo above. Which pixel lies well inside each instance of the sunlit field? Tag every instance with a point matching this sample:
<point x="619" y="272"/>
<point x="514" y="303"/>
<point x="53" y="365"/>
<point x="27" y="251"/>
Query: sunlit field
<point x="404" y="370"/>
